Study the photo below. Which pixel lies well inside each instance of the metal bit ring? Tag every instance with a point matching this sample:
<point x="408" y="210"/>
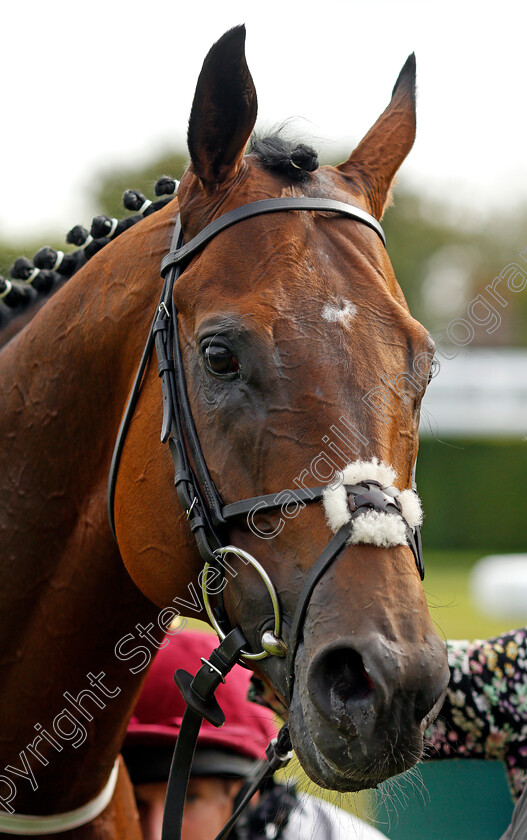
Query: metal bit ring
<point x="247" y="558"/>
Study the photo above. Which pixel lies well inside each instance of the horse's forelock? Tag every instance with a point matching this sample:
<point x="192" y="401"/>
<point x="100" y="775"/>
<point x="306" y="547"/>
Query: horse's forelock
<point x="292" y="158"/>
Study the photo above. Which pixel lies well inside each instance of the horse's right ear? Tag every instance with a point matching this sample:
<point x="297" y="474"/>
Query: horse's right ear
<point x="380" y="153"/>
<point x="223" y="112"/>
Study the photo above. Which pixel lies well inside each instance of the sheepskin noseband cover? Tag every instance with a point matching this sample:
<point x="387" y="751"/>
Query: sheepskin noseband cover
<point x="372" y="527"/>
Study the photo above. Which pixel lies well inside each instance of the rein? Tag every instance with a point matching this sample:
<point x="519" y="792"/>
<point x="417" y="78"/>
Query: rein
<point x="209" y="517"/>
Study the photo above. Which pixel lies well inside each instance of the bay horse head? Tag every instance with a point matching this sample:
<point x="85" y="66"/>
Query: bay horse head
<point x="301" y="359"/>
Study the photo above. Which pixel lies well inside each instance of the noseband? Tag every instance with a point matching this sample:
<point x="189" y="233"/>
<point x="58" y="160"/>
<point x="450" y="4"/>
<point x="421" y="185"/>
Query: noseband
<point x="209" y="517"/>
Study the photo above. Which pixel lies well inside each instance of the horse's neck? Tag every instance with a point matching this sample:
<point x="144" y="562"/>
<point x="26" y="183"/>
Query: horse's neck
<point x="67" y="597"/>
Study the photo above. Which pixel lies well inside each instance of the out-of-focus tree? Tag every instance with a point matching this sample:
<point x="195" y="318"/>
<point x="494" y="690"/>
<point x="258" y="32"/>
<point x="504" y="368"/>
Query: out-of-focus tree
<point x="106" y="198"/>
<point x="443" y="263"/>
<point x="109" y="186"/>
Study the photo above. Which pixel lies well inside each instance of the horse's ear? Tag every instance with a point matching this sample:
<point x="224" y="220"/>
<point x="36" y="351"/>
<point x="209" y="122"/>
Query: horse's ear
<point x="378" y="156"/>
<point x="223" y="112"/>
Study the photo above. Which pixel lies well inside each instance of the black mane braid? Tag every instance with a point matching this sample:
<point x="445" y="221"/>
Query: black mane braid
<point x="32" y="280"/>
<point x="296" y="160"/>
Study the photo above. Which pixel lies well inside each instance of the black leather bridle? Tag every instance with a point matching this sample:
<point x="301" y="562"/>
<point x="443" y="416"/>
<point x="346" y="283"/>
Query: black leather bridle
<point x="209" y="517"/>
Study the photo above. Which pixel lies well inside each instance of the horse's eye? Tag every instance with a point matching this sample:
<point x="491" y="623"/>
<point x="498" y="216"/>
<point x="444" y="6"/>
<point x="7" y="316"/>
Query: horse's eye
<point x="221" y="361"/>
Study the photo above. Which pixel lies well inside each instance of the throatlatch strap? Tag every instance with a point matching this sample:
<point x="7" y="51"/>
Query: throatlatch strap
<point x="123" y="428"/>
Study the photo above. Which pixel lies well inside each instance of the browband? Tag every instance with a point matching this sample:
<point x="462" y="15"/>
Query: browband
<point x="268" y="205"/>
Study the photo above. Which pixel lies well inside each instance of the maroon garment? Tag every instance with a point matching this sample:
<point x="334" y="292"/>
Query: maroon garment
<point x="159" y="711"/>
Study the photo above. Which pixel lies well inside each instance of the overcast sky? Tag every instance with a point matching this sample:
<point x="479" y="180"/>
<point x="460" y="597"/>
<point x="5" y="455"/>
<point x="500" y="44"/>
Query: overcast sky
<point x="87" y="87"/>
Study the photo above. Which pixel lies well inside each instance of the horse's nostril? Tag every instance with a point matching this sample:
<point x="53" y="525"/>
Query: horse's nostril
<point x="345" y="673"/>
<point x="337" y="682"/>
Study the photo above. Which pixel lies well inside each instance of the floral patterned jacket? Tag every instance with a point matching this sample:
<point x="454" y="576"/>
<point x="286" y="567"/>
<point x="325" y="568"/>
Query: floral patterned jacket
<point x="485" y="710"/>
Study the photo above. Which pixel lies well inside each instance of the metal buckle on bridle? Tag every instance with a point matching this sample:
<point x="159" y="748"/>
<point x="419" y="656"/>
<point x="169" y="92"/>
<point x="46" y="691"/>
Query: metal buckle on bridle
<point x="189" y="511"/>
<point x="212" y="667"/>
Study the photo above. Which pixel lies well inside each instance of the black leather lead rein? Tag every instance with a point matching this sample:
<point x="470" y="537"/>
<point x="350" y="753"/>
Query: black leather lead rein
<point x="209" y="517"/>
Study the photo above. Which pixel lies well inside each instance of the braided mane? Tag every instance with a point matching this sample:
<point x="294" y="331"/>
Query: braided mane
<point x="296" y="160"/>
<point x="32" y="282"/>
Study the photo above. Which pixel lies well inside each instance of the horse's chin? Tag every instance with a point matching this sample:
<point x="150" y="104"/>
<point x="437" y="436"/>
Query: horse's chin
<point x="349" y="761"/>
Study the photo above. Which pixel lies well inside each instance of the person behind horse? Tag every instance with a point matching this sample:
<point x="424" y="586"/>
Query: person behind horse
<point x="223" y="761"/>
<point x="484" y="714"/>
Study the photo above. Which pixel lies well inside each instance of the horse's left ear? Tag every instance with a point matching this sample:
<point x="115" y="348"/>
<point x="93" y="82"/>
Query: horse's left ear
<point x="373" y="164"/>
<point x="223" y="112"/>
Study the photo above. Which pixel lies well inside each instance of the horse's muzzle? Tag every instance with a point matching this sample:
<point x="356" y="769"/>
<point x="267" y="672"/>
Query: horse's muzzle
<point x="361" y="716"/>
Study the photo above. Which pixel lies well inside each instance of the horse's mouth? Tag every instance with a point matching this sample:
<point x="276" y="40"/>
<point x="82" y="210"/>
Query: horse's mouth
<point x="349" y="762"/>
<point x="373" y="741"/>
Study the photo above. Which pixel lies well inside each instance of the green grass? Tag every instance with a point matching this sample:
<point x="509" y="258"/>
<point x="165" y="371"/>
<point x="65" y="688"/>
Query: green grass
<point x="447" y="592"/>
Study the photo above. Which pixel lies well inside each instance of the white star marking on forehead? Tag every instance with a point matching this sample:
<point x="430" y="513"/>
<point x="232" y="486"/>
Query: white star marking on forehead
<point x="343" y="313"/>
